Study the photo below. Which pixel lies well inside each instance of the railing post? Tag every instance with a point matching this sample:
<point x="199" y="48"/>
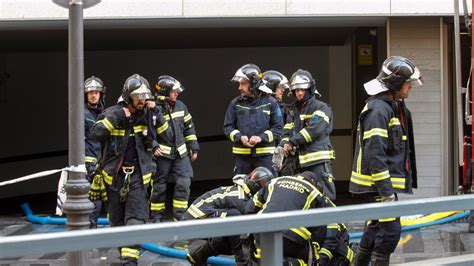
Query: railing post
<point x="272" y="249"/>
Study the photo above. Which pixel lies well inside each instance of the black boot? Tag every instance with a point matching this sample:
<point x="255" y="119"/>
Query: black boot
<point x="200" y="255"/>
<point x="362" y="257"/>
<point x="379" y="259"/>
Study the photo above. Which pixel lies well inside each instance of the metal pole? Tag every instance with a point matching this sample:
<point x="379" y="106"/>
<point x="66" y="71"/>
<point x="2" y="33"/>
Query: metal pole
<point x="457" y="83"/>
<point x="272" y="249"/>
<point x="77" y="205"/>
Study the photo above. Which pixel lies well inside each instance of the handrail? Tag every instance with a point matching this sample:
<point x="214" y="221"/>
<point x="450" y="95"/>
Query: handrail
<point x="13" y="246"/>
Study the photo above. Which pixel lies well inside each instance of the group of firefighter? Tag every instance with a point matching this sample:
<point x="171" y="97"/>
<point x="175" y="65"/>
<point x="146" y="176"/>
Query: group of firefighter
<point x="283" y="161"/>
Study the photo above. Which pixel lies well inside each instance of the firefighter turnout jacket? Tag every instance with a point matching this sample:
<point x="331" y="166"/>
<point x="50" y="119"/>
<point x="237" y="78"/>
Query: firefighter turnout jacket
<point x="92" y="146"/>
<point x="113" y="132"/>
<point x="309" y="131"/>
<point x="384" y="160"/>
<point x="259" y="116"/>
<point x="183" y="134"/>
<point x="217" y="201"/>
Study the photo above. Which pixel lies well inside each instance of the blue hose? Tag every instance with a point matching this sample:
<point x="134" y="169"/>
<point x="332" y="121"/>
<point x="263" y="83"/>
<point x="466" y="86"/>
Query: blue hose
<point x="449" y="219"/>
<point x="48" y="219"/>
<point x="181" y="254"/>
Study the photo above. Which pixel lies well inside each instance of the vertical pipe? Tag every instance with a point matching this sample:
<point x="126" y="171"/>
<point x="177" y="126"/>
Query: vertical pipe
<point x="77" y="205"/>
<point x="457" y="82"/>
<point x="272" y="249"/>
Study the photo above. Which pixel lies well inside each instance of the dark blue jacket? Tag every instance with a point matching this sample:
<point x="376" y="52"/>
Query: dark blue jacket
<point x="259" y="116"/>
<point x="92" y="148"/>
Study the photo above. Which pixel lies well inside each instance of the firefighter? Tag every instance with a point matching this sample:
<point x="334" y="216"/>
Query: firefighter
<point x="127" y="158"/>
<point x="306" y="134"/>
<point x="303" y="192"/>
<point x="175" y="153"/>
<point x="223" y="202"/>
<point x="384" y="157"/>
<point x="253" y="121"/>
<point x="94" y="90"/>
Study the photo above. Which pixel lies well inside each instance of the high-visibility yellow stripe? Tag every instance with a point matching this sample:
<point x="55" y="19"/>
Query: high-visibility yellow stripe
<point x="162" y="128"/>
<point x="244" y="107"/>
<point x="269" y="134"/>
<point x="90" y="159"/>
<point x="107" y="178"/>
<point x="182" y="149"/>
<point x="302" y="232"/>
<point x="367" y="180"/>
<point x="177" y="114"/>
<point x="306" y="135"/>
<point x="350" y="254"/>
<point x="394" y="122"/>
<point x="190" y="137"/>
<point x="326" y="252"/>
<point x="301" y="262"/>
<point x="118" y="132"/>
<point x="236" y="150"/>
<point x="266" y="112"/>
<point x="384" y="220"/>
<point x="233" y="133"/>
<point x="187" y="118"/>
<point x="404" y="137"/>
<point x="196" y="212"/>
<point x="398" y="182"/>
<point x="223" y="215"/>
<point x="165" y="149"/>
<point x="107" y="124"/>
<point x="182" y="204"/>
<point x="130" y="253"/>
<point x="263" y="105"/>
<point x="285" y="139"/>
<point x="146" y="178"/>
<point x="257" y="203"/>
<point x="265" y="150"/>
<point x="289" y="126"/>
<point x="140" y="128"/>
<point x="381" y="176"/>
<point x="216" y="197"/>
<point x="167" y="117"/>
<point x="376" y="132"/>
<point x="316" y="156"/>
<point x="157" y="206"/>
<point x="322" y="115"/>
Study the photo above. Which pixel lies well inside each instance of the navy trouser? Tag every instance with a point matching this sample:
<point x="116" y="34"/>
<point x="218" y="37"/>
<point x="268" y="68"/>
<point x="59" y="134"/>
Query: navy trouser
<point x="381" y="235"/>
<point x="324" y="172"/>
<point x="94" y="216"/>
<point x="129" y="210"/>
<point x="245" y="164"/>
<point x="181" y="171"/>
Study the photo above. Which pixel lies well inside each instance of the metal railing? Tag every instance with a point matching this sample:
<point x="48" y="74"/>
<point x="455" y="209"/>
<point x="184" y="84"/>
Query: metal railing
<point x="268" y="225"/>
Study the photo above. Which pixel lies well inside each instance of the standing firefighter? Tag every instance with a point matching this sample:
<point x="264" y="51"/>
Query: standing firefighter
<point x="175" y="152"/>
<point x="127" y="158"/>
<point x="307" y="132"/>
<point x="253" y="121"/>
<point x="384" y="159"/>
<point x="94" y="105"/>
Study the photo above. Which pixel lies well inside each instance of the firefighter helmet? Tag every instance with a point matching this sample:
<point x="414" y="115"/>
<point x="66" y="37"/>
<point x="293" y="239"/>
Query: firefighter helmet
<point x="94" y="84"/>
<point x="165" y="84"/>
<point x="136" y="86"/>
<point x="396" y="70"/>
<point x="258" y="178"/>
<point x="273" y="79"/>
<point x="251" y="73"/>
<point x="302" y="79"/>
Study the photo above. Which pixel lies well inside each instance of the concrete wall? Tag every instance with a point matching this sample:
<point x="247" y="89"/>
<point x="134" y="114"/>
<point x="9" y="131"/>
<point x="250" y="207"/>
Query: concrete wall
<point x="419" y="39"/>
<point x="45" y="9"/>
<point x="35" y="97"/>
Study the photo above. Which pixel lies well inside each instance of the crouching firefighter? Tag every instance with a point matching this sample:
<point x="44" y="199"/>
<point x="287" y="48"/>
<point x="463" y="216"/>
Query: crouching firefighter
<point x="127" y="158"/>
<point x="307" y="132"/>
<point x="302" y="246"/>
<point x="94" y="90"/>
<point x="220" y="203"/>
<point x="174" y="153"/>
<point x="384" y="160"/>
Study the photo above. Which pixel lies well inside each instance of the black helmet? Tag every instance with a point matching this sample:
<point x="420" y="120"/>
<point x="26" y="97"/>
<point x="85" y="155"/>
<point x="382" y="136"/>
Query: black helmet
<point x="251" y="73"/>
<point x="396" y="70"/>
<point x="94" y="84"/>
<point x="136" y="86"/>
<point x="302" y="79"/>
<point x="273" y="79"/>
<point x="258" y="178"/>
<point x="165" y="84"/>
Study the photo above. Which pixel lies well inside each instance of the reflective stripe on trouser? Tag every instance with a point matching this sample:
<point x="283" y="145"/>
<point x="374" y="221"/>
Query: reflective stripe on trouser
<point x="382" y="235"/>
<point x="129" y="254"/>
<point x="181" y="172"/>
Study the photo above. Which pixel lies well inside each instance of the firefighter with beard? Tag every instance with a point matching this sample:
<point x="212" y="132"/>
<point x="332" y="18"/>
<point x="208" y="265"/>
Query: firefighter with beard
<point x="175" y="153"/>
<point x="306" y="134"/>
<point x="384" y="160"/>
<point x="253" y="121"/>
<point x="126" y="159"/>
<point x="94" y="90"/>
<point x="220" y="203"/>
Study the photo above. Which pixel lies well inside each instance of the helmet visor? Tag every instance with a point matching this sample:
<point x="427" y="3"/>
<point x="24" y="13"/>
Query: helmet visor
<point x="178" y="87"/>
<point x="300" y="82"/>
<point x="142" y="93"/>
<point x="93" y="85"/>
<point x="239" y="76"/>
<point x="303" y="86"/>
<point x="415" y="79"/>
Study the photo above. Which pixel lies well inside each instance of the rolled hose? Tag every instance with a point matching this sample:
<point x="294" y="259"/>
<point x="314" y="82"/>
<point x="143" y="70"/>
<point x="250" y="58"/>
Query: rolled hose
<point x="166" y="251"/>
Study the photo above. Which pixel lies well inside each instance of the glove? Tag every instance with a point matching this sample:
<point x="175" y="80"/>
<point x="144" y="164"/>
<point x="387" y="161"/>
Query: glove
<point x="90" y="175"/>
<point x="278" y="156"/>
<point x="97" y="190"/>
<point x="388" y="198"/>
